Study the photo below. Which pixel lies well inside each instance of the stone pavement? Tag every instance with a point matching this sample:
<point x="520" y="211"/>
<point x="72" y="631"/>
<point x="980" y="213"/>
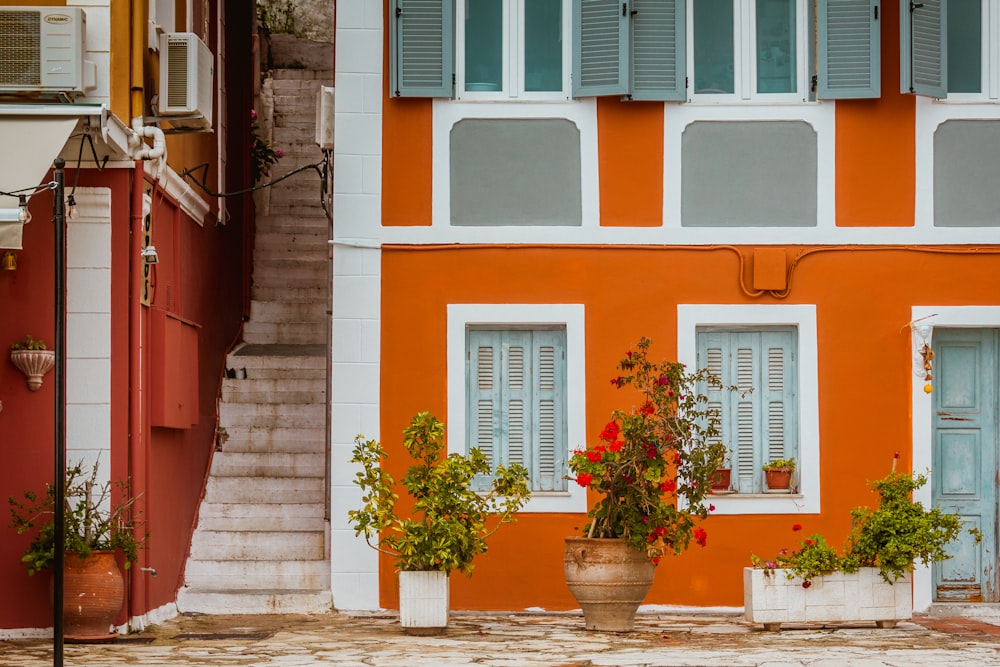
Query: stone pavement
<point x="661" y="638"/>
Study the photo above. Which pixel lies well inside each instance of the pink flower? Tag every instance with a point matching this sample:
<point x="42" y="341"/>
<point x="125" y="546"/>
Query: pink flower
<point x="711" y="508"/>
<point x="278" y="153"/>
<point x="253" y="114"/>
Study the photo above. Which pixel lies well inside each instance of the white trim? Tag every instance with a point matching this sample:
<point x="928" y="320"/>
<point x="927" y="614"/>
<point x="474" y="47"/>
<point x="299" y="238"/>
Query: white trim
<point x="572" y="316"/>
<point x="803" y="317"/>
<point x="583" y="113"/>
<point x="189" y="199"/>
<point x="923" y="422"/>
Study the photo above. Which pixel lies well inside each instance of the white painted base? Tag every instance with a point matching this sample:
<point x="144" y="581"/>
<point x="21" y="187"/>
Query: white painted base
<point x="423" y="600"/>
<point x="773" y="599"/>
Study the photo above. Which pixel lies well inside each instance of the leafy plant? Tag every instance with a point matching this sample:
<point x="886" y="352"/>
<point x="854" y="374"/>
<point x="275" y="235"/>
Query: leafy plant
<point x="281" y="17"/>
<point x="448" y="525"/>
<point x="93" y="519"/>
<point x="654" y="464"/>
<point x="891" y="538"/>
<point x="901" y="531"/>
<point x="780" y="463"/>
<point x="29" y="343"/>
<point x="262" y="155"/>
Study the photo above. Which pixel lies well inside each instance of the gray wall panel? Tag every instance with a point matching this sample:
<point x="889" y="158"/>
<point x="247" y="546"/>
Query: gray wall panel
<point x="967" y="174"/>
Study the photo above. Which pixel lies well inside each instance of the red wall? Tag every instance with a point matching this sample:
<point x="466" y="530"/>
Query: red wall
<point x="170" y="469"/>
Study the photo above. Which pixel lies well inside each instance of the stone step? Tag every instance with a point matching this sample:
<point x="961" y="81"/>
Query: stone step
<point x="258" y="545"/>
<point x="288" y="311"/>
<point x="265" y="490"/>
<point x="277" y="391"/>
<point x="262" y="516"/>
<point x="285" y="332"/>
<point x="268" y="464"/>
<point x="216" y="575"/>
<point x="290" y="294"/>
<point x="292" y="213"/>
<point x="309" y="238"/>
<point x="277" y="601"/>
<point x="271" y="415"/>
<point x="285" y="357"/>
<point x="241" y="438"/>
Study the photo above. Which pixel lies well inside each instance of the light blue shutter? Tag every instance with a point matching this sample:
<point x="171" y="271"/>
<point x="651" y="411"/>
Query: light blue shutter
<point x="745" y="369"/>
<point x="779" y="395"/>
<point x="515" y="425"/>
<point x="483" y="405"/>
<point x="548" y="437"/>
<point x="422" y="36"/>
<point x="712" y="356"/>
<point x="923" y="67"/>
<point x="658" y="49"/>
<point x="600" y="47"/>
<point x="848" y="61"/>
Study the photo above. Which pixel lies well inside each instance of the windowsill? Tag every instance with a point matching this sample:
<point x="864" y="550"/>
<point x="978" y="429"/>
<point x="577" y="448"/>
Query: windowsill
<point x="759" y="503"/>
<point x="512" y="100"/>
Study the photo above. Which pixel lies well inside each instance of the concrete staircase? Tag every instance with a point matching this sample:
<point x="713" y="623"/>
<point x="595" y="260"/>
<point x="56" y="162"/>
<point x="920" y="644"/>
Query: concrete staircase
<point x="261" y="543"/>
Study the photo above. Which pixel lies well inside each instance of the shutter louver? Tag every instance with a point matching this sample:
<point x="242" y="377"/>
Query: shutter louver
<point x="775" y="408"/>
<point x="600" y="48"/>
<point x="745" y="466"/>
<point x="922" y="41"/>
<point x="849" y="61"/>
<point x="549" y="453"/>
<point x="422" y="48"/>
<point x="658" y="50"/>
<point x="517" y="394"/>
<point x="483" y="427"/>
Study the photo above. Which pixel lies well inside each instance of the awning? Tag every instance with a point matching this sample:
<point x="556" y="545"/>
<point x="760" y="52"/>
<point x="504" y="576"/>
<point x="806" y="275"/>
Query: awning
<point x="28" y="145"/>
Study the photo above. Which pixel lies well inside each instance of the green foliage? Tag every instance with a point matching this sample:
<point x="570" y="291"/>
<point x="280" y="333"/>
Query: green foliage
<point x="901" y="531"/>
<point x="280" y="17"/>
<point x="890" y="538"/>
<point x="29" y="343"/>
<point x="780" y="463"/>
<point x="262" y="155"/>
<point x="653" y="465"/>
<point x="93" y="520"/>
<point x="448" y="524"/>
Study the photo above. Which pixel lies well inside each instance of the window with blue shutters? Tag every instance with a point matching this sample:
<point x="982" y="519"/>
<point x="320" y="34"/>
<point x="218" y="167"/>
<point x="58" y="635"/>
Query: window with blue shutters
<point x="516" y="402"/>
<point x="759" y="419"/>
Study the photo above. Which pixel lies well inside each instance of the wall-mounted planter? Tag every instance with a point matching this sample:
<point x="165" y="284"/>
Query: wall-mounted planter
<point x="34" y="364"/>
<point x="772" y="598"/>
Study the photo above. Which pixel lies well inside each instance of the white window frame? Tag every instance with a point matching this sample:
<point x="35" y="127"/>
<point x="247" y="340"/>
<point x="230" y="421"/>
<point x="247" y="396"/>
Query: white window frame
<point x="745" y="62"/>
<point x="570" y="316"/>
<point x="513" y="56"/>
<point x="989" y="58"/>
<point x="803" y="317"/>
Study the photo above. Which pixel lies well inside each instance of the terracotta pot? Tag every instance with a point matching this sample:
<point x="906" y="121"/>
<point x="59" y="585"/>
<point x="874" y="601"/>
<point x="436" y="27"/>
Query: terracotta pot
<point x="721" y="479"/>
<point x="609" y="580"/>
<point x="778" y="479"/>
<point x="93" y="591"/>
<point x="34" y="364"/>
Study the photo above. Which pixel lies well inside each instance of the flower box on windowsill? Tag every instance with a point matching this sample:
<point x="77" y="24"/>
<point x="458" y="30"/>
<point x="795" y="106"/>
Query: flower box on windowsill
<point x="771" y="598"/>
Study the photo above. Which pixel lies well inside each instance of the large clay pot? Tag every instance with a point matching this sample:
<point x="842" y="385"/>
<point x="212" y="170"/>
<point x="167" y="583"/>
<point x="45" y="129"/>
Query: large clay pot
<point x="93" y="591"/>
<point x="609" y="580"/>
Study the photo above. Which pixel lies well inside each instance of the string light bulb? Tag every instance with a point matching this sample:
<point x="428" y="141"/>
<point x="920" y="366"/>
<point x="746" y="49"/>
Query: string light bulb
<point x="71" y="212"/>
<point x="25" y="214"/>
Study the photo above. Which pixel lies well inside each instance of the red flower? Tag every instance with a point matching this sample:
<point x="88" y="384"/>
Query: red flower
<point x="647" y="409"/>
<point x="700" y="536"/>
<point x="616" y="446"/>
<point x="668" y="486"/>
<point x="806" y="584"/>
<point x="809" y="543"/>
<point x="797" y="527"/>
<point x="711" y="508"/>
<point x="594" y="456"/>
<point x="656" y="560"/>
<point x="662" y="380"/>
<point x="584" y="479"/>
<point x="610" y="432"/>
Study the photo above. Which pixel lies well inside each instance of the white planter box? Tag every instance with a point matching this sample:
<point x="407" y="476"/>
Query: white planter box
<point x="423" y="601"/>
<point x="862" y="596"/>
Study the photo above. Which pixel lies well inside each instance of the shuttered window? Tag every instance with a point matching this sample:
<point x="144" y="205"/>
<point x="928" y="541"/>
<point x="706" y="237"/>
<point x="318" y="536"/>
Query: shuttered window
<point x="848" y="60"/>
<point x="421" y="36"/>
<point x="517" y="402"/>
<point x="759" y="419"/>
<point x="923" y="62"/>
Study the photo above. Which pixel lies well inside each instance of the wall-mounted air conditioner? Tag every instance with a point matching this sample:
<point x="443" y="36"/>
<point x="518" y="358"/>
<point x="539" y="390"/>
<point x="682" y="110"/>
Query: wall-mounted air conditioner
<point x="186" y="88"/>
<point x="41" y="51"/>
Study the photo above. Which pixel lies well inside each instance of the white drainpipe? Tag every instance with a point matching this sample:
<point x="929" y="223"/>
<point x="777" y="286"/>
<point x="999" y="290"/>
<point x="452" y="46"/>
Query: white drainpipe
<point x="140" y="150"/>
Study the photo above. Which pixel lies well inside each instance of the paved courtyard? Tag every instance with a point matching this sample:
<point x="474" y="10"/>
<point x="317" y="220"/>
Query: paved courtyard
<point x="525" y="639"/>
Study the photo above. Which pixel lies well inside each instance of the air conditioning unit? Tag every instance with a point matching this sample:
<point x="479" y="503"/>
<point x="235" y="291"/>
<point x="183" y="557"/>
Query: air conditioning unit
<point x="41" y="51"/>
<point x="186" y="88"/>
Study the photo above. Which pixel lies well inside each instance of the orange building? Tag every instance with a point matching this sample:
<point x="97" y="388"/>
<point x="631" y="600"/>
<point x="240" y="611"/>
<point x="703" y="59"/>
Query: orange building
<point x="796" y="193"/>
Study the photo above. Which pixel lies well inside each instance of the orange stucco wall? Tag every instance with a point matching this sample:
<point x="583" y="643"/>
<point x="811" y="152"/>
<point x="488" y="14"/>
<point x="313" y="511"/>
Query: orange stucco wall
<point x="863" y="299"/>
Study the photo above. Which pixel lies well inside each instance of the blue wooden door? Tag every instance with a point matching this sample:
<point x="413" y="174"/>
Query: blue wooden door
<point x="965" y="458"/>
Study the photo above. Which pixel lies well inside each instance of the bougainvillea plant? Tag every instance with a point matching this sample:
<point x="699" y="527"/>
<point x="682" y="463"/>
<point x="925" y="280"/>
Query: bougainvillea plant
<point x="653" y="463"/>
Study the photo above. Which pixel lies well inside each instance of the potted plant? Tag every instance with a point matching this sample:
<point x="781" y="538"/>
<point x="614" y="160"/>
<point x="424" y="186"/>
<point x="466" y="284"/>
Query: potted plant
<point x="884" y="544"/>
<point x="652" y="468"/>
<point x="100" y="521"/>
<point x="778" y="474"/>
<point x="722" y="478"/>
<point x="32" y="358"/>
<point x="446" y="526"/>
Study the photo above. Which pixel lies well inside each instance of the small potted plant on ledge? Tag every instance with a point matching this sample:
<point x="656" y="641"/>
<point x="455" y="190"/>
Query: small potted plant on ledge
<point x="448" y="523"/>
<point x="652" y="467"/>
<point x="98" y="524"/>
<point x="778" y="475"/>
<point x="32" y="358"/>
<point x="871" y="581"/>
<point x="722" y="478"/>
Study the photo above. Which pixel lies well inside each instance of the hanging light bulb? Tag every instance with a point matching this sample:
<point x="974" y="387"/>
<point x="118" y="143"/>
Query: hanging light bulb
<point x="71" y="212"/>
<point x="25" y="214"/>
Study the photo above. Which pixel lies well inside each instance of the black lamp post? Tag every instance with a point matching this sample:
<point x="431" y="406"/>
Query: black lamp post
<point x="59" y="220"/>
